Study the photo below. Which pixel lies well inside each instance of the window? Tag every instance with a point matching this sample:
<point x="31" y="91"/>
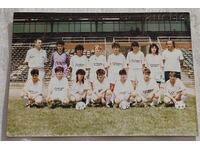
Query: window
<point x="18" y="27"/>
<point x="63" y="27"/>
<point x="108" y="26"/>
<point x="40" y="26"/>
<point x="85" y="27"/>
<point x="32" y="27"/>
<point x="176" y="26"/>
<point x="71" y="27"/>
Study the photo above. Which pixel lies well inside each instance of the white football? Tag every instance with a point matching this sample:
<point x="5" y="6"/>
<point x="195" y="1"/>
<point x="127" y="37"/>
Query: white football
<point x="80" y="106"/>
<point x="180" y="105"/>
<point x="124" y="105"/>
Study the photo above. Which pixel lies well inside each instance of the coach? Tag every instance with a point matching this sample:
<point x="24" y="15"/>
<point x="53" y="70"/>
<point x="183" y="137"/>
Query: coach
<point x="36" y="57"/>
<point x="172" y="59"/>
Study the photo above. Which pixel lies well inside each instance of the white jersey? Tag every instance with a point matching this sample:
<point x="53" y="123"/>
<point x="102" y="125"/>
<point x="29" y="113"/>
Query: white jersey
<point x="96" y="63"/>
<point x="135" y="60"/>
<point x="33" y="88"/>
<point x="173" y="89"/>
<point x="123" y="88"/>
<point x="99" y="88"/>
<point x="145" y="88"/>
<point x="78" y="88"/>
<point x="58" y="88"/>
<point x="155" y="64"/>
<point x="76" y="63"/>
<point x="172" y="60"/>
<point x="115" y="63"/>
<point x="36" y="58"/>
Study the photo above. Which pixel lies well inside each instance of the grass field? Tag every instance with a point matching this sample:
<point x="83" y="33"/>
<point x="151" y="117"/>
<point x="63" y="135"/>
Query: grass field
<point x="100" y="121"/>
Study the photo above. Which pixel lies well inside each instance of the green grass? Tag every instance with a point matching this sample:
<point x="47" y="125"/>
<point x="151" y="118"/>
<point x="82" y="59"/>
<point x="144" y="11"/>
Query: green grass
<point x="99" y="121"/>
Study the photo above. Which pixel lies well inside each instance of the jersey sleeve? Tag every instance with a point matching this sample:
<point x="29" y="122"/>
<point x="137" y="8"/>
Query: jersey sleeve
<point x="164" y="55"/>
<point x="180" y="55"/>
<point x="124" y="62"/>
<point x="142" y="58"/>
<point x="27" y="59"/>
<point x="45" y="57"/>
<point x="50" y="87"/>
<point x="127" y="58"/>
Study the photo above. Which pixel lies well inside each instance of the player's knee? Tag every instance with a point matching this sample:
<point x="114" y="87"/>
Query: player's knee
<point x="139" y="99"/>
<point x="167" y="100"/>
<point x="72" y="98"/>
<point x="117" y="100"/>
<point x="65" y="101"/>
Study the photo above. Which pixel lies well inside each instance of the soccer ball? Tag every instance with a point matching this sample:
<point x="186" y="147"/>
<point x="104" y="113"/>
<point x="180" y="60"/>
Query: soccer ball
<point x="180" y="105"/>
<point x="80" y="106"/>
<point x="124" y="105"/>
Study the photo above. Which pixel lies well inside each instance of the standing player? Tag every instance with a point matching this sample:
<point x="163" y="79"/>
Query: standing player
<point x="97" y="61"/>
<point x="33" y="90"/>
<point x="58" y="89"/>
<point x="78" y="61"/>
<point x="155" y="63"/>
<point x="79" y="88"/>
<point x="136" y="63"/>
<point x="36" y="58"/>
<point x="173" y="59"/>
<point x="116" y="62"/>
<point x="174" y="90"/>
<point x="148" y="93"/>
<point x="123" y="90"/>
<point x="59" y="58"/>
<point x="101" y="89"/>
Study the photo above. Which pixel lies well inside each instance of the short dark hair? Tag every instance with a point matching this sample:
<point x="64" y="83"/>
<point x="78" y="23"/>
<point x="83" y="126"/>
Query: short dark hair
<point x="59" y="69"/>
<point x="35" y="40"/>
<point x="115" y="45"/>
<point x="60" y="43"/>
<point x="173" y="42"/>
<point x="147" y="71"/>
<point x="34" y="72"/>
<point x="79" y="47"/>
<point x="80" y="72"/>
<point x="100" y="72"/>
<point x="122" y="72"/>
<point x="172" y="74"/>
<point x="154" y="45"/>
<point x="134" y="43"/>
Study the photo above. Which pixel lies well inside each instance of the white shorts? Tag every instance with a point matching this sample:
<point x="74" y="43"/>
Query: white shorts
<point x="121" y="97"/>
<point x="77" y="96"/>
<point x="113" y="78"/>
<point x="156" y="75"/>
<point x="37" y="99"/>
<point x="135" y="74"/>
<point x="41" y="74"/>
<point x="60" y="97"/>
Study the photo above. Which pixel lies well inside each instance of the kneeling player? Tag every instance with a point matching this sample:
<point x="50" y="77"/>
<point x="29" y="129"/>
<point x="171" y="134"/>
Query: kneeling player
<point x="123" y="90"/>
<point x="101" y="89"/>
<point x="174" y="90"/>
<point x="32" y="92"/>
<point x="58" y="89"/>
<point x="80" y="87"/>
<point x="148" y="93"/>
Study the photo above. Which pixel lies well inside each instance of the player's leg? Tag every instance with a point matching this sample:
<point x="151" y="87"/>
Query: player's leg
<point x="39" y="102"/>
<point x="168" y="102"/>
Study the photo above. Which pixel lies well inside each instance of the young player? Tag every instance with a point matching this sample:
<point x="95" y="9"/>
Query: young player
<point x="101" y="89"/>
<point x="172" y="59"/>
<point x="78" y="61"/>
<point x="123" y="90"/>
<point x="32" y="92"/>
<point x="136" y="63"/>
<point x="79" y="88"/>
<point x="147" y="90"/>
<point x="36" y="58"/>
<point x="58" y="89"/>
<point x="155" y="63"/>
<point x="174" y="90"/>
<point x="97" y="61"/>
<point x="59" y="58"/>
<point x="116" y="62"/>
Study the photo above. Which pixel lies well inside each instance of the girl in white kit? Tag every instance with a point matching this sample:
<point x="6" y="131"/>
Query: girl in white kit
<point x="155" y="63"/>
<point x="123" y="90"/>
<point x="33" y="90"/>
<point x="97" y="61"/>
<point x="79" y="88"/>
<point x="58" y="90"/>
<point x="116" y="62"/>
<point x="136" y="63"/>
<point x="78" y="61"/>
